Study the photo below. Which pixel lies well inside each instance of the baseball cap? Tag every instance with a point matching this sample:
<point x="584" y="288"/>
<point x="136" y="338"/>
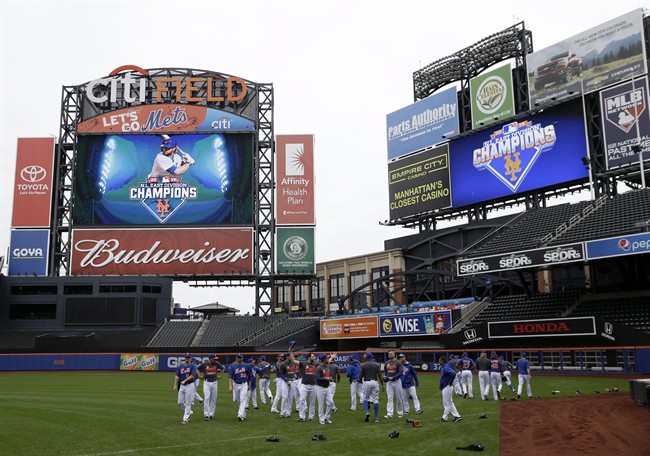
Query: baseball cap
<point x="493" y="353"/>
<point x="322" y="357"/>
<point x="280" y="354"/>
<point x="263" y="357"/>
<point x="288" y="354"/>
<point x="464" y="353"/>
<point x="212" y="356"/>
<point x="369" y="355"/>
<point x="188" y="355"/>
<point x="250" y="360"/>
<point x="352" y="357"/>
<point x="401" y="355"/>
<point x="239" y="355"/>
<point x="523" y="353"/>
<point x="196" y="360"/>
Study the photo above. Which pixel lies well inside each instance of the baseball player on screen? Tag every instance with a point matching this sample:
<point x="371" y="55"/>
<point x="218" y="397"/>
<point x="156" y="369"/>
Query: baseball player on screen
<point x="239" y="382"/>
<point x="209" y="372"/>
<point x="184" y="383"/>
<point x="169" y="161"/>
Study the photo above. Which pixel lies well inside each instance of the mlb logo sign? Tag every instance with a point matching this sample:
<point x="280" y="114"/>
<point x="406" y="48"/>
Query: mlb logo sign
<point x="624" y="109"/>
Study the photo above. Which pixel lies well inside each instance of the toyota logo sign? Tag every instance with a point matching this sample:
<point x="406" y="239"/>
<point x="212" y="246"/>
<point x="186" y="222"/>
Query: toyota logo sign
<point x="33" y="173"/>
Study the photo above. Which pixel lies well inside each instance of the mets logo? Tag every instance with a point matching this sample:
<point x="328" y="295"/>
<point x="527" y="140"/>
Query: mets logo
<point x="624" y="245"/>
<point x="512" y="151"/>
<point x="163" y="196"/>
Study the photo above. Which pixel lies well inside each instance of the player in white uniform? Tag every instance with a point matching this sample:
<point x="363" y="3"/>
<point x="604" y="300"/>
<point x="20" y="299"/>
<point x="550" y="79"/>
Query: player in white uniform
<point x="169" y="161"/>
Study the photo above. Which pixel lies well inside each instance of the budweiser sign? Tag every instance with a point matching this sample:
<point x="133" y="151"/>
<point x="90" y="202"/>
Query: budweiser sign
<point x="206" y="251"/>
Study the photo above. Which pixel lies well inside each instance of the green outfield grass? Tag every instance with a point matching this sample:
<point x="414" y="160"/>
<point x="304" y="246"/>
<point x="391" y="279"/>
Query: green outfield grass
<point x="135" y="413"/>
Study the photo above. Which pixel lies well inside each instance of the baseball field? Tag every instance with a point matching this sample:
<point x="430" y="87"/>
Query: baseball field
<point x="135" y="413"/>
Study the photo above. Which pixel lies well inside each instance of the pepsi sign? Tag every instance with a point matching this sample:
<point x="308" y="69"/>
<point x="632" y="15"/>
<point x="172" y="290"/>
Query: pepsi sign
<point x="618" y="246"/>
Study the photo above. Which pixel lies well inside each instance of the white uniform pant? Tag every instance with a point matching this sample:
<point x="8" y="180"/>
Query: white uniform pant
<point x="410" y="391"/>
<point x="186" y="399"/>
<point x="524" y="379"/>
<point x="307" y="394"/>
<point x="210" y="398"/>
<point x="356" y="389"/>
<point x="196" y="390"/>
<point x="333" y="390"/>
<point x="289" y="392"/>
<point x="325" y="403"/>
<point x="448" y="402"/>
<point x="457" y="388"/>
<point x="508" y="377"/>
<point x="241" y="397"/>
<point x="484" y="383"/>
<point x="371" y="391"/>
<point x="252" y="397"/>
<point x="495" y="380"/>
<point x="394" y="392"/>
<point x="265" y="389"/>
<point x="467" y="382"/>
<point x="279" y="384"/>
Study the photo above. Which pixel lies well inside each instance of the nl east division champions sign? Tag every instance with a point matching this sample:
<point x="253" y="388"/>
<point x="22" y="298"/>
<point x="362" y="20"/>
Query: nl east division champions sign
<point x="205" y="251"/>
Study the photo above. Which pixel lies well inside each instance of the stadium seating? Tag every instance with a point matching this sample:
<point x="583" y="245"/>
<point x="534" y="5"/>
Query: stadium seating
<point x="521" y="307"/>
<point x="175" y="333"/>
<point x="283" y="330"/>
<point x="632" y="311"/>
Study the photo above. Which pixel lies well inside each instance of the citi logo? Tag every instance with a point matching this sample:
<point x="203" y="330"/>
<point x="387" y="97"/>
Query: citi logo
<point x="470" y="334"/>
<point x="33" y="173"/>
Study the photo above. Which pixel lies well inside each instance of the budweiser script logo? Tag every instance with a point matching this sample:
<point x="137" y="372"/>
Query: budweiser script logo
<point x="103" y="252"/>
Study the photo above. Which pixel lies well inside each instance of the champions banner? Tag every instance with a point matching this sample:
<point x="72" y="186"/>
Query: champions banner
<point x="33" y="183"/>
<point x="422" y="124"/>
<point x="539" y="151"/>
<point x="626" y="122"/>
<point x="124" y="180"/>
<point x="492" y="96"/>
<point x="295" y="180"/>
<point x="204" y="251"/>
<point x="419" y="182"/>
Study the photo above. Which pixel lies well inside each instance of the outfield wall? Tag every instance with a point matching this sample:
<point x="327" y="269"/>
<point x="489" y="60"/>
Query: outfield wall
<point x="632" y="360"/>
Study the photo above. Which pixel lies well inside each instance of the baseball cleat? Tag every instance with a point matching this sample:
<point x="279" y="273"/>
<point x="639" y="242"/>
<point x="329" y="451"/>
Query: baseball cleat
<point x="184" y="421"/>
<point x="376" y="421"/>
<point x="418" y="411"/>
<point x="367" y="417"/>
<point x="388" y="417"/>
<point x="457" y="419"/>
<point x="443" y="420"/>
<point x="302" y="420"/>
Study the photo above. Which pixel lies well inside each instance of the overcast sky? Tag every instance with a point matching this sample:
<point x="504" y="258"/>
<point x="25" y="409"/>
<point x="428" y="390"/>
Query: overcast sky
<point x="337" y="68"/>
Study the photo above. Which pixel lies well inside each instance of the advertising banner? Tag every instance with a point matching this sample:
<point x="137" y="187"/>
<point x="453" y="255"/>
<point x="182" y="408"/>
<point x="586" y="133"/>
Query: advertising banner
<point x="419" y="182"/>
<point x="599" y="57"/>
<point x="552" y="327"/>
<point x="189" y="251"/>
<point x="492" y="96"/>
<point x="166" y="118"/>
<point x="567" y="253"/>
<point x="425" y="123"/>
<point x="134" y="180"/>
<point x="29" y="252"/>
<point x="626" y="122"/>
<point x="540" y="151"/>
<point x="295" y="180"/>
<point x="33" y="183"/>
<point x="349" y="328"/>
<point x="414" y="324"/>
<point x="632" y="244"/>
<point x="295" y="251"/>
<point x="139" y="362"/>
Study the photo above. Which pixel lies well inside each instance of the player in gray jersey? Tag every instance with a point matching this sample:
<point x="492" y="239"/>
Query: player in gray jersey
<point x="289" y="373"/>
<point x="393" y="370"/>
<point x="483" y="368"/>
<point x="507" y="375"/>
<point x="279" y="383"/>
<point x="264" y="373"/>
<point x="371" y="378"/>
<point x="307" y="388"/>
<point x="335" y="371"/>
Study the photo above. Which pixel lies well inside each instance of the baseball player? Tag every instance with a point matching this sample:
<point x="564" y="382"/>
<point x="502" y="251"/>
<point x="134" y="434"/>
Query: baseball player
<point x="335" y="371"/>
<point x="457" y="388"/>
<point x="279" y="383"/>
<point x="393" y="370"/>
<point x="307" y="388"/>
<point x="352" y="372"/>
<point x="371" y="378"/>
<point x="209" y="372"/>
<point x="289" y="374"/>
<point x="197" y="382"/>
<point x="495" y="375"/>
<point x="264" y="372"/>
<point x="184" y="384"/>
<point x="483" y="368"/>
<point x="447" y="374"/>
<point x="323" y="391"/>
<point x="409" y="382"/>
<point x="239" y="380"/>
<point x="467" y="365"/>
<point x="523" y="368"/>
<point x="169" y="161"/>
<point x="507" y="366"/>
<point x="252" y="390"/>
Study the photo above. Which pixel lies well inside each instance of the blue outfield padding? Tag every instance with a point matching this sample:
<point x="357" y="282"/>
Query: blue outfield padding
<point x="64" y="361"/>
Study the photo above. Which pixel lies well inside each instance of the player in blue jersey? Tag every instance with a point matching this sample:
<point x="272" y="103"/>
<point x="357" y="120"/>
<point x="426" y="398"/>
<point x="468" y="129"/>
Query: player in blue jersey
<point x="409" y="382"/>
<point x="496" y="370"/>
<point x="239" y="382"/>
<point x="184" y="383"/>
<point x="466" y="365"/>
<point x="170" y="161"/>
<point x="252" y="391"/>
<point x="447" y="374"/>
<point x="523" y="368"/>
<point x="353" y="373"/>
